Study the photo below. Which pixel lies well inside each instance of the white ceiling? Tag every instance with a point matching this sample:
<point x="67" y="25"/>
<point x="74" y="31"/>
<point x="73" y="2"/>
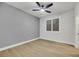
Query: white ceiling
<point x="57" y="7"/>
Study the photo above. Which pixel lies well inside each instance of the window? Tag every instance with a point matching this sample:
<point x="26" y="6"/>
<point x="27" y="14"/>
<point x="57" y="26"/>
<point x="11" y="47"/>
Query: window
<point x="48" y="25"/>
<point x="53" y="25"/>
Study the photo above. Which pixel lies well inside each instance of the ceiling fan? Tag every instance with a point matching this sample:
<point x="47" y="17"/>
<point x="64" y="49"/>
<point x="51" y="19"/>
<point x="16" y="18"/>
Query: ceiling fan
<point x="43" y="7"/>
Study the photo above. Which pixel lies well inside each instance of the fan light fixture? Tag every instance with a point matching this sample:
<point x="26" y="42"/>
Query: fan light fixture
<point x="42" y="10"/>
<point x="43" y="7"/>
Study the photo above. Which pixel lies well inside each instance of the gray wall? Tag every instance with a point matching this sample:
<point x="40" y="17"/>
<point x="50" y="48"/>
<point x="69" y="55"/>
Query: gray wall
<point x="66" y="33"/>
<point x="16" y="26"/>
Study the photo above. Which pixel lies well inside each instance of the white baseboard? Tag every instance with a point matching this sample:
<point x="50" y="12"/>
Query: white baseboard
<point x="18" y="44"/>
<point x="57" y="41"/>
<point x="76" y="46"/>
<point x="21" y="43"/>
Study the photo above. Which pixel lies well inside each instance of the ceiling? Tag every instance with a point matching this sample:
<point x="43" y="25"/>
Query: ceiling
<point x="58" y="7"/>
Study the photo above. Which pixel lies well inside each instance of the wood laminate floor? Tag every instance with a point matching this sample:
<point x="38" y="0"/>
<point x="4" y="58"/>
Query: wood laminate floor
<point x="41" y="48"/>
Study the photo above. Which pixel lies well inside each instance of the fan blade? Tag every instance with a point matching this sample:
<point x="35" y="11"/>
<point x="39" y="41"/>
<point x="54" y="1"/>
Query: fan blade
<point x="35" y="10"/>
<point x="38" y="4"/>
<point x="48" y="11"/>
<point x="49" y="5"/>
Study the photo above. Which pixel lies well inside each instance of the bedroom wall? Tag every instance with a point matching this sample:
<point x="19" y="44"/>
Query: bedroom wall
<point x="66" y="27"/>
<point x="16" y="26"/>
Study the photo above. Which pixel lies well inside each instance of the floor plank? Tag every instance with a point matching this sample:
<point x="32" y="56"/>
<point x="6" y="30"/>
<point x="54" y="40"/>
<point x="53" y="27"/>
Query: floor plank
<point x="41" y="48"/>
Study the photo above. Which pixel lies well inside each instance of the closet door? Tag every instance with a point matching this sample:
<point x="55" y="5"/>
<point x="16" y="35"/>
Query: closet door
<point x="35" y="28"/>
